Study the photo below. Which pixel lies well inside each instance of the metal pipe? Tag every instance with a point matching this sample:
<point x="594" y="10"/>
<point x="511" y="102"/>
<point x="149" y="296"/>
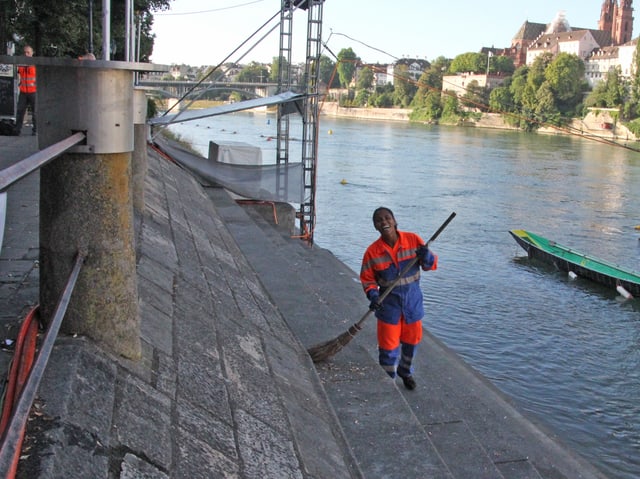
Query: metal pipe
<point x="127" y="30"/>
<point x="106" y="30"/>
<point x="90" y="47"/>
<point x="17" y="423"/>
<point x="19" y="170"/>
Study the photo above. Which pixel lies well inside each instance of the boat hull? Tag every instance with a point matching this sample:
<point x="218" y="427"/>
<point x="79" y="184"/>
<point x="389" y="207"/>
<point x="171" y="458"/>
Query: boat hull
<point x="566" y="259"/>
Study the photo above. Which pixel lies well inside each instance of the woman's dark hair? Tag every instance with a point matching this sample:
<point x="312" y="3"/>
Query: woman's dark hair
<point x="379" y="210"/>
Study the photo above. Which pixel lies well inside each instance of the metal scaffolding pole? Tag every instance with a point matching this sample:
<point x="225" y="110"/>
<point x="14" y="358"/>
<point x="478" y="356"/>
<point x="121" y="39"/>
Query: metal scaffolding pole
<point x="310" y="117"/>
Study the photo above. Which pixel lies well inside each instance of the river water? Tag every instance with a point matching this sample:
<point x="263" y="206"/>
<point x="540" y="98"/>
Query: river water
<point x="566" y="351"/>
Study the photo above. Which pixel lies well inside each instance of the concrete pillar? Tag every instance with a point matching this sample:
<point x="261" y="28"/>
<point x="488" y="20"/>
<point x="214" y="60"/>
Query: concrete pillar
<point x="139" y="160"/>
<point x="86" y="203"/>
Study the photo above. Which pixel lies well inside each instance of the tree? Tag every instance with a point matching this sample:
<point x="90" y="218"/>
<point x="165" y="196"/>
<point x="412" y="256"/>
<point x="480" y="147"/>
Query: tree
<point x="327" y="72"/>
<point x="501" y="64"/>
<point x="275" y="68"/>
<point x="535" y="76"/>
<point x="430" y="107"/>
<point x="61" y="29"/>
<point x="365" y="79"/>
<point x="632" y="106"/>
<point x="500" y="100"/>
<point x="450" y="108"/>
<point x="545" y="109"/>
<point x="518" y="83"/>
<point x="429" y="89"/>
<point x="362" y="98"/>
<point x="469" y="62"/>
<point x="254" y="72"/>
<point x="565" y="76"/>
<point x="475" y="96"/>
<point x="609" y="93"/>
<point x="404" y="86"/>
<point x="346" y="66"/>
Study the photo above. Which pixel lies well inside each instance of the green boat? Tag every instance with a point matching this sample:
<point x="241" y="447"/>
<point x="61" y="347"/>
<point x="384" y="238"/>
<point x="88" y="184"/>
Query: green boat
<point x="579" y="264"/>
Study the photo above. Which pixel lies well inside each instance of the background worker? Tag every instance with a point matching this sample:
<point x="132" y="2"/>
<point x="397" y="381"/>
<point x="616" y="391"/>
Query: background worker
<point x="27" y="96"/>
<point x="400" y="313"/>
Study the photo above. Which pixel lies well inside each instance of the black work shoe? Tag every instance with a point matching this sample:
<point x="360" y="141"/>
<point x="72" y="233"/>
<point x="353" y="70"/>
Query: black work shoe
<point x="409" y="383"/>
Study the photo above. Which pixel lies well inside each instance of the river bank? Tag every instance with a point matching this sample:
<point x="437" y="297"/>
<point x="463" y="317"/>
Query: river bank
<point x="597" y="123"/>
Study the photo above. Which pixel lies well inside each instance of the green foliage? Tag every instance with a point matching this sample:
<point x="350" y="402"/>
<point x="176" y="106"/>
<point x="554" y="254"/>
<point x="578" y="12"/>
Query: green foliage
<point x="634" y="127"/>
<point x="430" y="108"/>
<point x="476" y="96"/>
<point x="450" y="108"/>
<point x="501" y="100"/>
<point x="362" y="98"/>
<point x="152" y="108"/>
<point x="429" y="87"/>
<point x="545" y="107"/>
<point x="632" y="106"/>
<point x="518" y="84"/>
<point x="535" y="76"/>
<point x="404" y="87"/>
<point x="254" y="72"/>
<point x="346" y="66"/>
<point x="278" y="64"/>
<point x="565" y="74"/>
<point x="365" y="79"/>
<point x="347" y="101"/>
<point x="327" y="68"/>
<point x="501" y="64"/>
<point x="383" y="100"/>
<point x="61" y="29"/>
<point x="469" y="62"/>
<point x="609" y="93"/>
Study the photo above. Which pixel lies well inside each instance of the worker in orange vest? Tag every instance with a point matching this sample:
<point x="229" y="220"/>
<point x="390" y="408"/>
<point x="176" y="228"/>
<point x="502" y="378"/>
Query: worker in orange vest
<point x="400" y="313"/>
<point x="27" y="87"/>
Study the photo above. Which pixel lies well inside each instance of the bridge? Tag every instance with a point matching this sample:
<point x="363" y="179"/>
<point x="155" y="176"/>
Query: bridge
<point x="178" y="88"/>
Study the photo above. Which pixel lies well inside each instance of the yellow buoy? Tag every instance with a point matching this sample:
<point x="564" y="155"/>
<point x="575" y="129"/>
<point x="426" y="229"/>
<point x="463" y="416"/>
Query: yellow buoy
<point x="638" y="227"/>
<point x="330" y="132"/>
<point x="343" y="181"/>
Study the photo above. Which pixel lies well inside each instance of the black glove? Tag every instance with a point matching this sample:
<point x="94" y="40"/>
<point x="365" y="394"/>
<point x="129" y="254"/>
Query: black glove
<point x="374" y="296"/>
<point x="425" y="256"/>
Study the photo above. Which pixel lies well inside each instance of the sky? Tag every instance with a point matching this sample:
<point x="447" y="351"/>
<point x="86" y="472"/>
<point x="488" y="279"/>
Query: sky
<point x="209" y="32"/>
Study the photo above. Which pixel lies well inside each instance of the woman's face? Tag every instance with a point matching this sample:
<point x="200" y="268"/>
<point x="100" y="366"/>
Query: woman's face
<point x="384" y="222"/>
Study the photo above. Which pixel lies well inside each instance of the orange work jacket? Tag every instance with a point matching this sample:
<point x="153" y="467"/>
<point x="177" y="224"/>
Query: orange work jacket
<point x="27" y="78"/>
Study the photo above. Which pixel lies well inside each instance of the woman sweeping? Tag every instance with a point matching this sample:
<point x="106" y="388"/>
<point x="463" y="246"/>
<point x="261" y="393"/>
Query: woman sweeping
<point x="400" y="314"/>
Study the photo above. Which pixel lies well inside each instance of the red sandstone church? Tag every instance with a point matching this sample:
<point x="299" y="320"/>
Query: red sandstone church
<point x="615" y="27"/>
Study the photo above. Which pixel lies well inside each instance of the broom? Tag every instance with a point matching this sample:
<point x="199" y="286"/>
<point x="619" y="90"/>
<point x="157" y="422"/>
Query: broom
<point x="328" y="349"/>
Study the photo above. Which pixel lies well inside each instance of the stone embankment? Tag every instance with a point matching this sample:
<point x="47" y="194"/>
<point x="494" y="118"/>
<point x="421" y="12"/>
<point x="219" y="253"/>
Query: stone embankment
<point x="597" y="123"/>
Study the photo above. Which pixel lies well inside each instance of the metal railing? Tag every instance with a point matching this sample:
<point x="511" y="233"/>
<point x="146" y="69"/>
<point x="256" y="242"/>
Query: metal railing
<point x="13" y="436"/>
<point x="15" y="429"/>
<point x="15" y="172"/>
<point x="19" y="170"/>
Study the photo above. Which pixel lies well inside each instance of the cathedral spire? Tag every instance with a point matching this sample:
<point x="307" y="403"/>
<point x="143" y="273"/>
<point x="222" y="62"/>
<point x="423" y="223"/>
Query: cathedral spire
<point x="617" y="19"/>
<point x="606" y="15"/>
<point x="622" y="22"/>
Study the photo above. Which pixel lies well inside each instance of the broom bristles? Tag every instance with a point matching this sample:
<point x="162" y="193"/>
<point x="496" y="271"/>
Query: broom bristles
<point x="328" y="349"/>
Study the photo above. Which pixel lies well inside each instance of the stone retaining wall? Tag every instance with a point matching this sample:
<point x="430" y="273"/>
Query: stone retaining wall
<point x="597" y="123"/>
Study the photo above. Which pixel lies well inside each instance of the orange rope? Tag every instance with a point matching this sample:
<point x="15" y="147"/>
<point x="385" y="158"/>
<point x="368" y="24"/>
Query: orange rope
<point x="23" y="357"/>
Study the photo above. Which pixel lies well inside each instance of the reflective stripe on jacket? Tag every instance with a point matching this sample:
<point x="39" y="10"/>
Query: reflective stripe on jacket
<point x="27" y="78"/>
<point x="382" y="264"/>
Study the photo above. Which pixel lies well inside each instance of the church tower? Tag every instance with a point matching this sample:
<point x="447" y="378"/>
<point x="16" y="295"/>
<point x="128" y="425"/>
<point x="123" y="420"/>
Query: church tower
<point x="606" y="16"/>
<point x="622" y="30"/>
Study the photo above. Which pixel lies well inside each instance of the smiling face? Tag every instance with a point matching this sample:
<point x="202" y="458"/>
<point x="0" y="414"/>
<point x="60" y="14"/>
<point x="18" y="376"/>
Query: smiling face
<point x="385" y="223"/>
